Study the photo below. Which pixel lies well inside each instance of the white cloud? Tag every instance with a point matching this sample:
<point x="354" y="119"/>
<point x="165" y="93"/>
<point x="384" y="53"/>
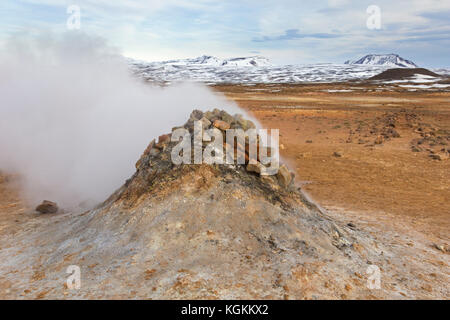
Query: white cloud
<point x="166" y="28"/>
<point x="337" y="3"/>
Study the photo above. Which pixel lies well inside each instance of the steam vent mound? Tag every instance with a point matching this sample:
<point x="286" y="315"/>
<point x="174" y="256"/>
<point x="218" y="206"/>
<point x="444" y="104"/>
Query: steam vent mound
<point x="194" y="231"/>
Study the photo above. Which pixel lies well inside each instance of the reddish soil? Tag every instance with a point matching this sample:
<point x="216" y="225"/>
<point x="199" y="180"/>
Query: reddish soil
<point x="383" y="180"/>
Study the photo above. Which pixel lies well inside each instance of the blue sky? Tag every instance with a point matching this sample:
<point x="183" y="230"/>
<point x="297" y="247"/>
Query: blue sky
<point x="285" y="31"/>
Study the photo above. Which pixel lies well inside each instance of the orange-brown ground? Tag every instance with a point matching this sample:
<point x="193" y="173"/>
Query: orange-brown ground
<point x="384" y="182"/>
<point x="399" y="196"/>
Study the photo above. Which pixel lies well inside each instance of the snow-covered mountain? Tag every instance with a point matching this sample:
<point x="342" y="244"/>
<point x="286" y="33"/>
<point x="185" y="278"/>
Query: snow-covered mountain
<point x="256" y="61"/>
<point x="387" y="60"/>
<point x="203" y="60"/>
<point x="250" y="70"/>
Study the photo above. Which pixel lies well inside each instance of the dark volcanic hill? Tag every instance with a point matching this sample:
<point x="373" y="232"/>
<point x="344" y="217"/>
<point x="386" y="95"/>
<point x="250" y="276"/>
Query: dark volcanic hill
<point x="401" y="74"/>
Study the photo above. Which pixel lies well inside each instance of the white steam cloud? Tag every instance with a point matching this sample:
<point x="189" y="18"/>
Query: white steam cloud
<point x="73" y="121"/>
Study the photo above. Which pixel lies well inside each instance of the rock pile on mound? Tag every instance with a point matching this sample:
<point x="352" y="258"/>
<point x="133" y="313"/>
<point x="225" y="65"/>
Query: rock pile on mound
<point x="161" y="151"/>
<point x="195" y="231"/>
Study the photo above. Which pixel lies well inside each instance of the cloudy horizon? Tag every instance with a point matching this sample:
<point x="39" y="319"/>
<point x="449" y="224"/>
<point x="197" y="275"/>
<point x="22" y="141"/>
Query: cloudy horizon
<point x="286" y="32"/>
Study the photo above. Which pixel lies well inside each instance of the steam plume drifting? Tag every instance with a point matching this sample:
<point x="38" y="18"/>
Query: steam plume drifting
<point x="73" y="121"/>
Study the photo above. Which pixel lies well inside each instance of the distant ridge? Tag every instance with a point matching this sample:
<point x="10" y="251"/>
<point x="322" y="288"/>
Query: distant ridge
<point x="253" y="61"/>
<point x="389" y="60"/>
<point x="256" y="69"/>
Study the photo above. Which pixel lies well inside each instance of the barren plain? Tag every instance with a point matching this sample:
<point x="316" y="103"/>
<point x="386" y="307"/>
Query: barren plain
<point x="374" y="158"/>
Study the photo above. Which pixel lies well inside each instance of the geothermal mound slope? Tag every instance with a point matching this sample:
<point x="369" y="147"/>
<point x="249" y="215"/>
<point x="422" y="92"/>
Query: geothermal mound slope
<point x="192" y="231"/>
